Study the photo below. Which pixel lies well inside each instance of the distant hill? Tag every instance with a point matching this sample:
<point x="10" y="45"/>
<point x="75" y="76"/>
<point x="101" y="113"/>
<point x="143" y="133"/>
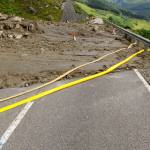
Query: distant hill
<point x="119" y="7"/>
<point x="136" y="25"/>
<point x="103" y="4"/>
<point x="139" y="7"/>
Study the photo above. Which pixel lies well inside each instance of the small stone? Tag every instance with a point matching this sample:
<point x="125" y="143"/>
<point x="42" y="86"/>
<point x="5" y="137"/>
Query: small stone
<point x="1" y="32"/>
<point x="47" y="6"/>
<point x="105" y="67"/>
<point x="1" y="27"/>
<point x="10" y="35"/>
<point x="24" y="55"/>
<point x="3" y="36"/>
<point x="3" y="17"/>
<point x="31" y="27"/>
<point x="50" y="18"/>
<point x="42" y="50"/>
<point x="98" y="21"/>
<point x="17" y="26"/>
<point x="95" y="28"/>
<point x="118" y="38"/>
<point x="26" y="35"/>
<point x="16" y="19"/>
<point x="26" y="85"/>
<point x="18" y="36"/>
<point x="73" y="65"/>
<point x="8" y="26"/>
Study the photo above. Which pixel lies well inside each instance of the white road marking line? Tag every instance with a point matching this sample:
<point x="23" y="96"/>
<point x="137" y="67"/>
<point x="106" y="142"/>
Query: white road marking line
<point x="142" y="79"/>
<point x="22" y="114"/>
<point x="14" y="125"/>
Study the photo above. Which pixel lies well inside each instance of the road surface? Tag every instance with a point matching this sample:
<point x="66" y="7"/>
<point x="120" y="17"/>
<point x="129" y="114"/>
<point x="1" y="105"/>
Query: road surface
<point x="69" y="13"/>
<point x="108" y="113"/>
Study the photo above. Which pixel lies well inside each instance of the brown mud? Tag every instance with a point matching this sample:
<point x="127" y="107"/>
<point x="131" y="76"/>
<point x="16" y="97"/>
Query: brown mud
<point x="31" y="54"/>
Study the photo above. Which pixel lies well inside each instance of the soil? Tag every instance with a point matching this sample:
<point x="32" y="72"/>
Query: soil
<point x="42" y="56"/>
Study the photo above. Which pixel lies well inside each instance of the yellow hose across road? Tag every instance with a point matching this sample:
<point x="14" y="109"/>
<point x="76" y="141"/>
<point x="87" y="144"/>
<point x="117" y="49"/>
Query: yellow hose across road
<point x="63" y="75"/>
<point x="67" y="85"/>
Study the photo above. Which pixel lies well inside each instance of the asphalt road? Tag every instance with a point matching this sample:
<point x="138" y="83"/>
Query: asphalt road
<point x="108" y="113"/>
<point x="69" y="13"/>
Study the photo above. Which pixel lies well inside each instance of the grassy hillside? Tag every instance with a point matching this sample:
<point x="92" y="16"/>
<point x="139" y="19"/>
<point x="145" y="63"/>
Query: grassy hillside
<point x="139" y="26"/>
<point x="139" y="7"/>
<point x="116" y="6"/>
<point x="103" y="4"/>
<point x="132" y="8"/>
<point x="33" y="9"/>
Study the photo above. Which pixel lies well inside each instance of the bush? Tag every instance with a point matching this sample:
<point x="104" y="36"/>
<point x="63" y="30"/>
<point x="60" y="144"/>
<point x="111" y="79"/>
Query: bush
<point x="43" y="8"/>
<point x="144" y="33"/>
<point x="123" y="22"/>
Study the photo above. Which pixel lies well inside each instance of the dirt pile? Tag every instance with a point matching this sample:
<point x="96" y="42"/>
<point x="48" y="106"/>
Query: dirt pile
<point x="42" y="56"/>
<point x="16" y="27"/>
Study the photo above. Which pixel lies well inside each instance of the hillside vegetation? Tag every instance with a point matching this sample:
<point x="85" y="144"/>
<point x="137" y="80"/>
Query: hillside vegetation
<point x="33" y="9"/>
<point x="139" y="26"/>
<point x="132" y="8"/>
<point x="116" y="6"/>
<point x="117" y="11"/>
<point x="139" y="7"/>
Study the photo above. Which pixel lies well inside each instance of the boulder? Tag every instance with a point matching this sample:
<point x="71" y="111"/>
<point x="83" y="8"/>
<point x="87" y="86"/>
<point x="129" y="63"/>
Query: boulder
<point x="3" y="17"/>
<point x="18" y="36"/>
<point x="1" y="26"/>
<point x="10" y="36"/>
<point x="17" y="26"/>
<point x="1" y="33"/>
<point x="8" y="26"/>
<point x="26" y="34"/>
<point x="17" y="19"/>
<point x="30" y="26"/>
<point x="98" y="21"/>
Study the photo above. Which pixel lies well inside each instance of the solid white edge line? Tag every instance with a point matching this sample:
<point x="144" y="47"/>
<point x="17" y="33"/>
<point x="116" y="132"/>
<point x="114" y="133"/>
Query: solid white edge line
<point x="4" y="138"/>
<point x="142" y="79"/>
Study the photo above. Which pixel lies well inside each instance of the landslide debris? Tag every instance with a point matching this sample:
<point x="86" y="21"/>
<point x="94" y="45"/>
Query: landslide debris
<point x="16" y="27"/>
<point x="35" y="52"/>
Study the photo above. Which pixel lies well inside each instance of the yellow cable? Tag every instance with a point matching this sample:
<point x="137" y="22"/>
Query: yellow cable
<point x="63" y="75"/>
<point x="48" y="92"/>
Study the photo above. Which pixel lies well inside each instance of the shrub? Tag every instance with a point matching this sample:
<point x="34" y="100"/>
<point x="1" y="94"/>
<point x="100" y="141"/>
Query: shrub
<point x="144" y="33"/>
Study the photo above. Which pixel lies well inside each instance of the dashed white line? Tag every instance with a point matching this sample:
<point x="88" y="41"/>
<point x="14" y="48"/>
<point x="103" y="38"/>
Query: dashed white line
<point x="142" y="79"/>
<point x="14" y="125"/>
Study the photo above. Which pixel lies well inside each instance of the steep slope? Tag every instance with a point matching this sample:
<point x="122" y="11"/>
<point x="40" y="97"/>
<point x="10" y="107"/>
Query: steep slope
<point x="103" y="4"/>
<point x="110" y="5"/>
<point x="140" y="7"/>
<point x="33" y="9"/>
<point x="139" y="26"/>
<point x="133" y="8"/>
<point x="41" y="57"/>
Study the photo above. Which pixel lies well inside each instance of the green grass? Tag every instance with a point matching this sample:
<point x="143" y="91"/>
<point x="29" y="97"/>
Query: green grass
<point x="124" y="22"/>
<point x="45" y="9"/>
<point x="137" y="25"/>
<point x="83" y="8"/>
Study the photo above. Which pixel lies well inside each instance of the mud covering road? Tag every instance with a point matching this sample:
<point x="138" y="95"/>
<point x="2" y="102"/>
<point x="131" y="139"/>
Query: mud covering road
<point x="40" y="57"/>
